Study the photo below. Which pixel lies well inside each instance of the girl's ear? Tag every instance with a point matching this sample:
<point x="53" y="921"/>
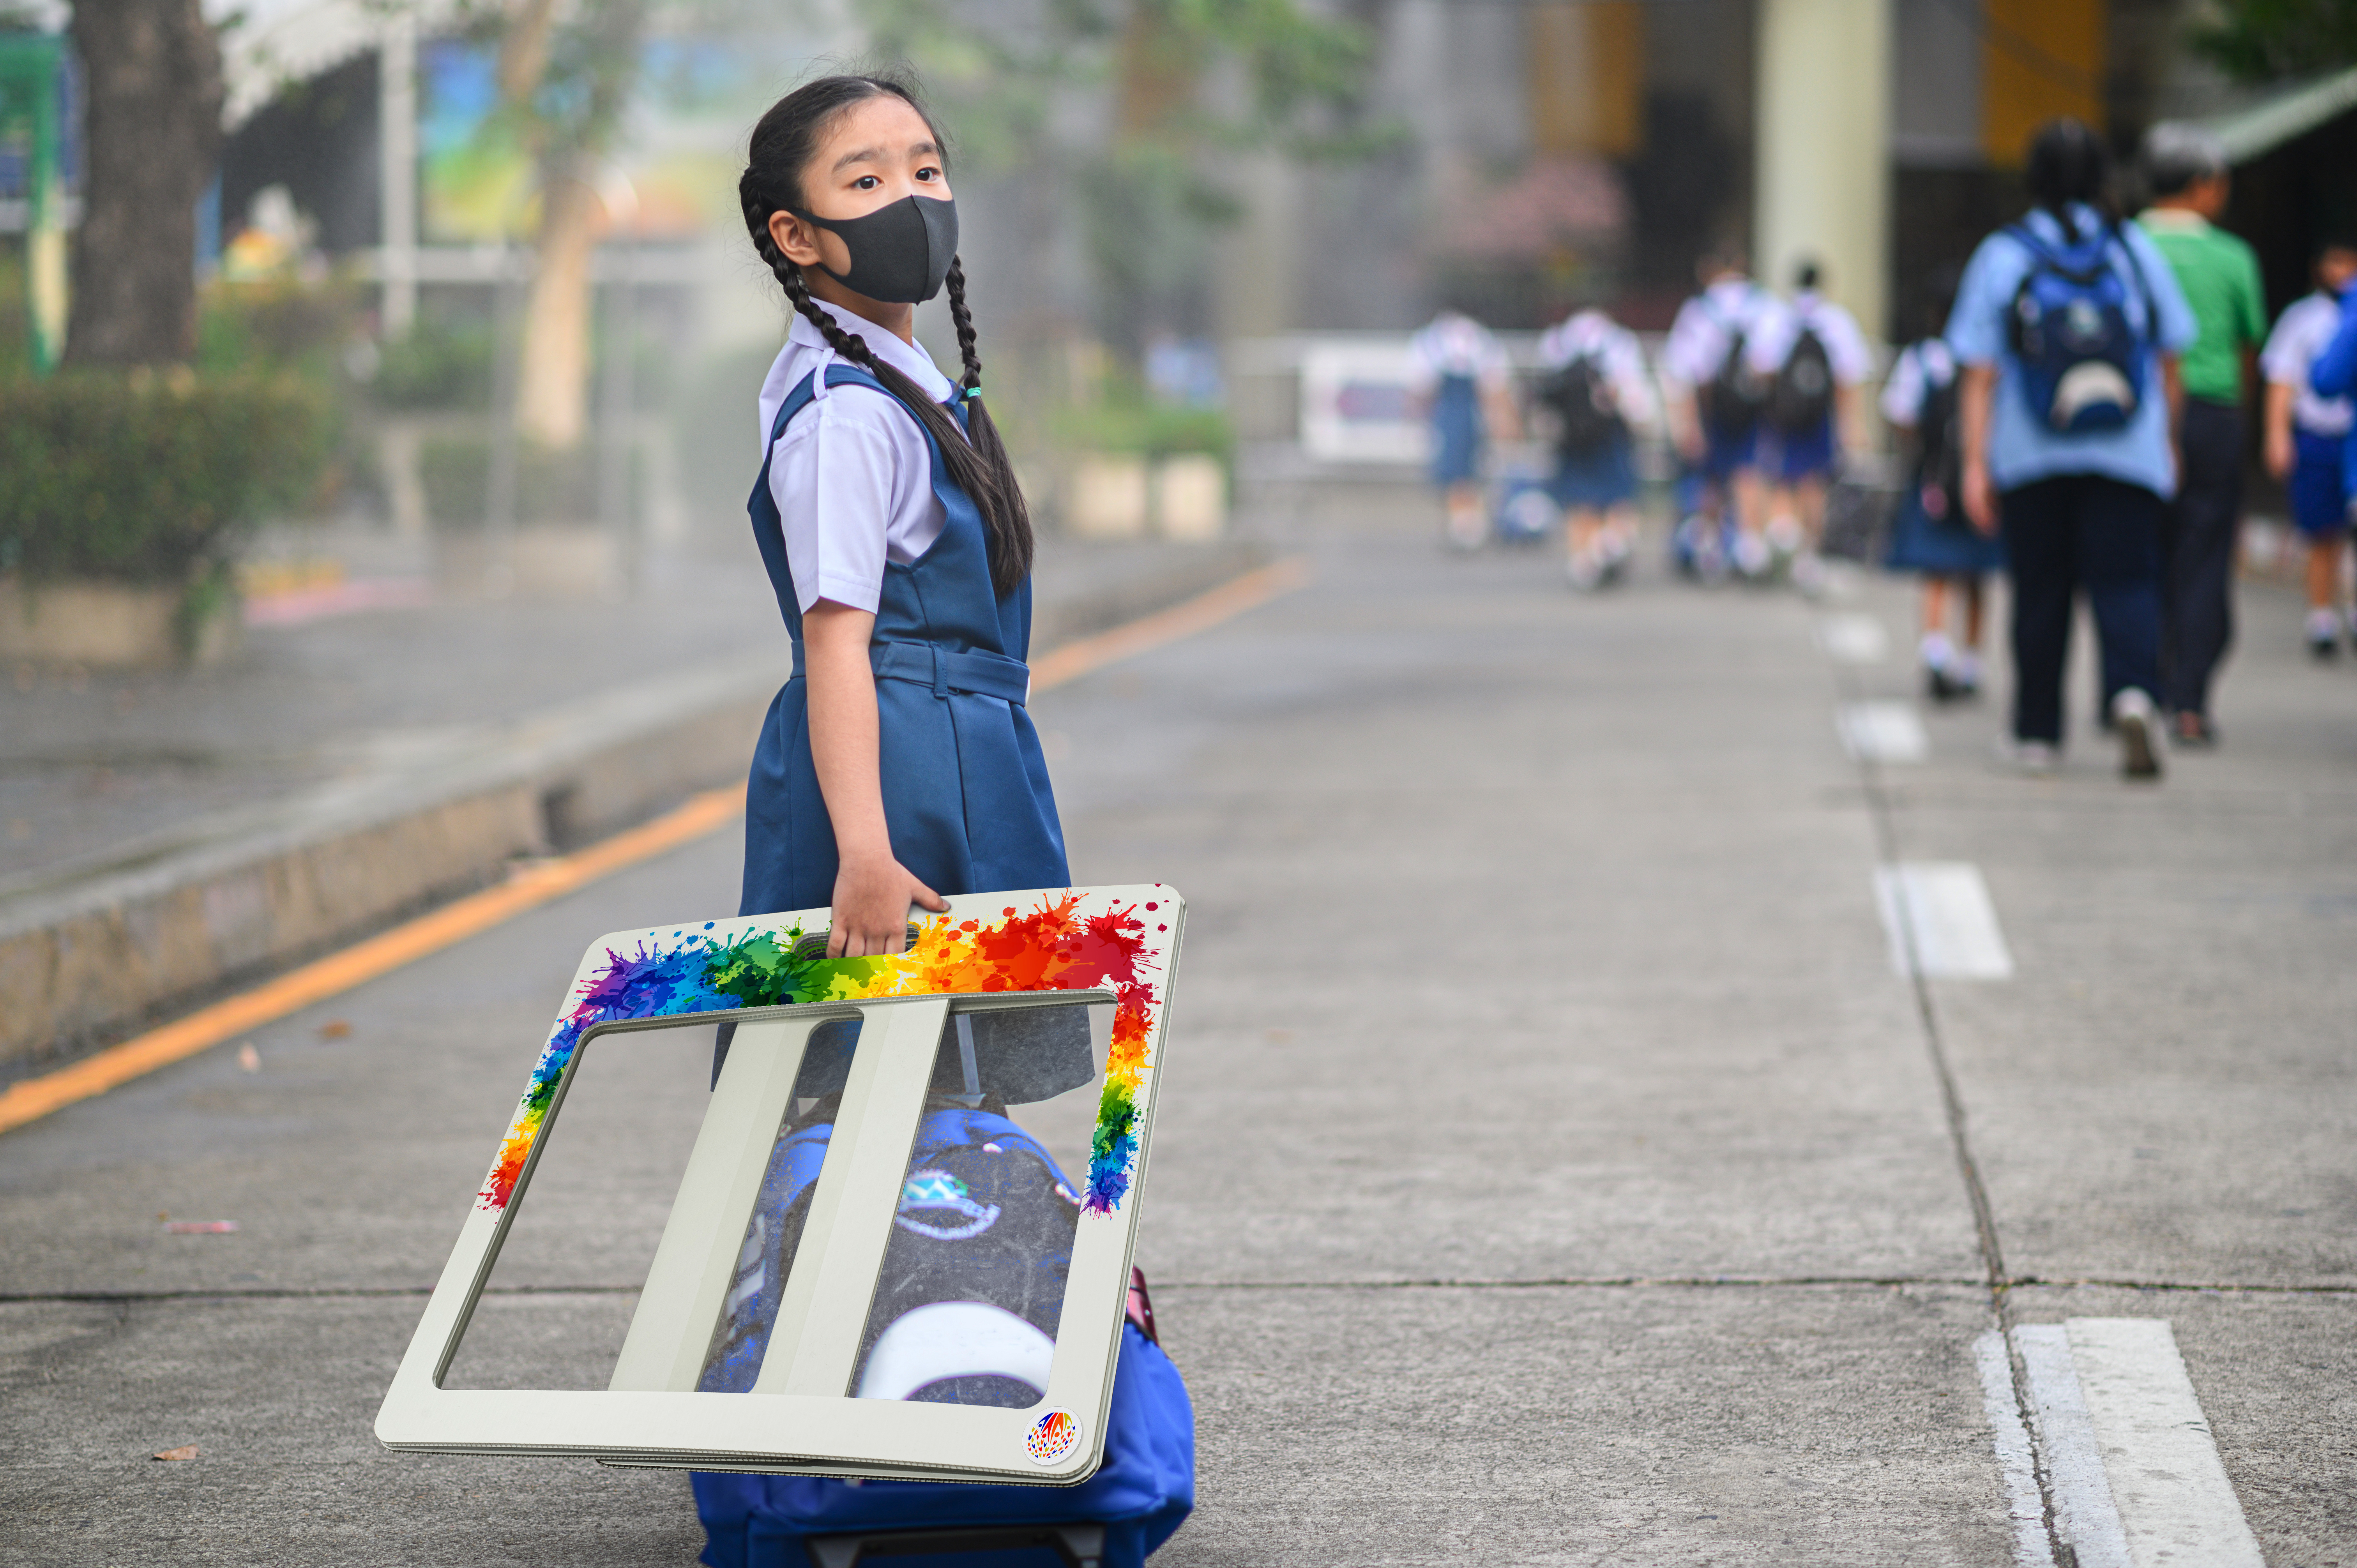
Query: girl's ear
<point x="795" y="239"/>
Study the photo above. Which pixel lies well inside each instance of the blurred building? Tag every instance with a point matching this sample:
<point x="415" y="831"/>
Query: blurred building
<point x="1568" y="150"/>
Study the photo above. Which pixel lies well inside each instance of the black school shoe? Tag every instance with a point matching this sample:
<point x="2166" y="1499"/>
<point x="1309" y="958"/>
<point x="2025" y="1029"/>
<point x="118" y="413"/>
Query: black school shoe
<point x="1943" y="687"/>
<point x="2194" y="732"/>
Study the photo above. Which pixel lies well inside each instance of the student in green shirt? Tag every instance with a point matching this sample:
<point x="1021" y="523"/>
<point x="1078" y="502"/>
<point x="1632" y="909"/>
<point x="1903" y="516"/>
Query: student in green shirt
<point x="2186" y="170"/>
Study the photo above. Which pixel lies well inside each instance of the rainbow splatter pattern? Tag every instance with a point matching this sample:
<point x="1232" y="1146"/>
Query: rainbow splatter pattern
<point x="1054" y="947"/>
<point x="1052" y="1438"/>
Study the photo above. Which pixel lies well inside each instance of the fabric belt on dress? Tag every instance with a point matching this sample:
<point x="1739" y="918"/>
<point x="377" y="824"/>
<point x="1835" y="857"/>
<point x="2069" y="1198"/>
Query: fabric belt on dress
<point x="974" y="669"/>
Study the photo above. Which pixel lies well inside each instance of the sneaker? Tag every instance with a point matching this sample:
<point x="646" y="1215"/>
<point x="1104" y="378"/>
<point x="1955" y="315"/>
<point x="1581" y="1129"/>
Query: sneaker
<point x="2140" y="731"/>
<point x="2030" y="759"/>
<point x="2194" y="732"/>
<point x="1753" y="558"/>
<point x="1586" y="574"/>
<point x="1941" y="686"/>
<point x="2324" y="635"/>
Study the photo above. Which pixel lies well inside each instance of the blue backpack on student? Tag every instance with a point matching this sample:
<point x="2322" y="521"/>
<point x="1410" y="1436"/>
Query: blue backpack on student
<point x="2083" y="355"/>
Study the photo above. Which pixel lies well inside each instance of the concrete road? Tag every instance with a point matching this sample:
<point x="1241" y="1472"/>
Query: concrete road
<point x="1554" y="1167"/>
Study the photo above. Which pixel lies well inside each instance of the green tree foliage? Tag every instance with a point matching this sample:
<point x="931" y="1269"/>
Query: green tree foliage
<point x="1189" y="87"/>
<point x="2267" y="41"/>
<point x="147" y="477"/>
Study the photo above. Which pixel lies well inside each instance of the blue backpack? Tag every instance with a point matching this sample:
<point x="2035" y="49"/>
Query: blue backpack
<point x="2083" y="355"/>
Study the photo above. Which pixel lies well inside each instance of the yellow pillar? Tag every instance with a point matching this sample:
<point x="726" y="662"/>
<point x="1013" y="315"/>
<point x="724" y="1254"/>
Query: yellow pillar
<point x="1822" y="177"/>
<point x="2040" y="59"/>
<point x="1587" y="77"/>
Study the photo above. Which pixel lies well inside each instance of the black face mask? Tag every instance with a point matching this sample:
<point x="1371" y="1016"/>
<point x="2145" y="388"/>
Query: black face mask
<point x="899" y="253"/>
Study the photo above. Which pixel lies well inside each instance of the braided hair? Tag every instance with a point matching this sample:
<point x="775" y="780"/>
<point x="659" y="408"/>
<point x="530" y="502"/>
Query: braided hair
<point x="783" y="144"/>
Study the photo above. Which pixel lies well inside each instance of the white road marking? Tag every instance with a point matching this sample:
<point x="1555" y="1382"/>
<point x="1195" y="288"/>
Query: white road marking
<point x="1883" y="732"/>
<point x="1852" y="637"/>
<point x="2084" y="1514"/>
<point x="2175" y="1503"/>
<point x="2016" y="1466"/>
<point x="1939" y="920"/>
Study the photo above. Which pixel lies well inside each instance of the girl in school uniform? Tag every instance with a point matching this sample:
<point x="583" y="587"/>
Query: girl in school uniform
<point x="1930" y="534"/>
<point x="2305" y="435"/>
<point x="1592" y="373"/>
<point x="1462" y="379"/>
<point x="898" y="765"/>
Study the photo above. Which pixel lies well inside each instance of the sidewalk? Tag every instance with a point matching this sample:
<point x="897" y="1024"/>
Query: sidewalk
<point x="164" y="832"/>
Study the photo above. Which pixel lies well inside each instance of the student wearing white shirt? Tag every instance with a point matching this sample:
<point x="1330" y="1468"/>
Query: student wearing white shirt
<point x="1460" y="378"/>
<point x="1715" y="401"/>
<point x="1813" y="358"/>
<point x="899" y="764"/>
<point x="1592" y="375"/>
<point x="2305" y="435"/>
<point x="1929" y="534"/>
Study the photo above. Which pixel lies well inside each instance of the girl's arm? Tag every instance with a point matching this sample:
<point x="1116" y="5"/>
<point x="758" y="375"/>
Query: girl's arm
<point x="872" y="889"/>
<point x="2280" y="452"/>
<point x="1975" y="400"/>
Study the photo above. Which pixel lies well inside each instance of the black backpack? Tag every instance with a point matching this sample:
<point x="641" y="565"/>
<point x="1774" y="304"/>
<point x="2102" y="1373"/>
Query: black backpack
<point x="1581" y="396"/>
<point x="1733" y="401"/>
<point x="1802" y="397"/>
<point x="1940" y="448"/>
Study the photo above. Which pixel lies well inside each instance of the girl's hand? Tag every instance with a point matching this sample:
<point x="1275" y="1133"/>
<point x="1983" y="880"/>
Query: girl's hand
<point x="2280" y="453"/>
<point x="1980" y="500"/>
<point x="872" y="895"/>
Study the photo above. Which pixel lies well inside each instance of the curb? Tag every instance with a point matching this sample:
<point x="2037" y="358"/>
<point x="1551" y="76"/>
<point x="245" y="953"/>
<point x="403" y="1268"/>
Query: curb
<point x="250" y="892"/>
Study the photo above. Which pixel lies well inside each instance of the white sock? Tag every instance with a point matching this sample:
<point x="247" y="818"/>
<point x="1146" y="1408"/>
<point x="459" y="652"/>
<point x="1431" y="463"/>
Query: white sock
<point x="1937" y="651"/>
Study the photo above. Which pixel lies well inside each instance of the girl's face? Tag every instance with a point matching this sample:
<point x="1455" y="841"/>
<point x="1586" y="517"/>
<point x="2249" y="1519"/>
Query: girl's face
<point x="877" y="151"/>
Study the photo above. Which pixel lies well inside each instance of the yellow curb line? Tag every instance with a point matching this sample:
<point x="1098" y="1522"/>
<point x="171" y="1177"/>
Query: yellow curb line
<point x="1186" y="618"/>
<point x="540" y="882"/>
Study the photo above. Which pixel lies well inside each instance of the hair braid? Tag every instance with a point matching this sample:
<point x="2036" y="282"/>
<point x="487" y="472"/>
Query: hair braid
<point x="969" y="352"/>
<point x="976" y="457"/>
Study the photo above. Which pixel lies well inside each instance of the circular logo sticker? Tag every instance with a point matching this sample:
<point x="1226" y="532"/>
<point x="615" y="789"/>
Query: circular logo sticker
<point x="1052" y="1437"/>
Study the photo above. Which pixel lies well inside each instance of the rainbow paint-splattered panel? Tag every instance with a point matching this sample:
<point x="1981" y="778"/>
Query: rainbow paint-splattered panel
<point x="1075" y="939"/>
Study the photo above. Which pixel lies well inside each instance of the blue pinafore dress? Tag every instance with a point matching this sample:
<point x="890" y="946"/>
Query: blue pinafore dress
<point x="968" y="806"/>
<point x="966" y="797"/>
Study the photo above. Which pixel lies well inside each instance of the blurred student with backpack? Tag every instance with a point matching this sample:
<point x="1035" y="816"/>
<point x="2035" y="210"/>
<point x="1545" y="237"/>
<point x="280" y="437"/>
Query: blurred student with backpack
<point x="1813" y="358"/>
<point x="1929" y="533"/>
<point x="2068" y="327"/>
<point x="1592" y="378"/>
<point x="2187" y="172"/>
<point x="2305" y="435"/>
<point x="1714" y="403"/>
<point x="1462" y="380"/>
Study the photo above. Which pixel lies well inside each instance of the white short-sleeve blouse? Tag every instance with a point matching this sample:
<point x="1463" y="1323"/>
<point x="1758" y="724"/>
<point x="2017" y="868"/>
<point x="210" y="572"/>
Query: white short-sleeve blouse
<point x="852" y="476"/>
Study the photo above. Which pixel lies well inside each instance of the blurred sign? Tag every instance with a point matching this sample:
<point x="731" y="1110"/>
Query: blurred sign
<point x="1356" y="403"/>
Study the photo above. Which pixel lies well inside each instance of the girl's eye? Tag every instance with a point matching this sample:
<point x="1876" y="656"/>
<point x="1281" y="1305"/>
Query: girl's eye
<point x="929" y="174"/>
<point x="865" y="182"/>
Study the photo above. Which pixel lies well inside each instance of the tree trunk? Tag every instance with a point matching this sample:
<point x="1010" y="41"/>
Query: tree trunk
<point x="552" y="380"/>
<point x="153" y="134"/>
<point x="552" y="377"/>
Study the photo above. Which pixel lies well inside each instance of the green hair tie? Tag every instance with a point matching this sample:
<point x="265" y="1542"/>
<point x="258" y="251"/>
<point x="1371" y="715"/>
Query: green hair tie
<point x="973" y="392"/>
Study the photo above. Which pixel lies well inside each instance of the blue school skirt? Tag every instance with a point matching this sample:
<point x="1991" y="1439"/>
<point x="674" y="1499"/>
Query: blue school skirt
<point x="1940" y="547"/>
<point x="2319" y="485"/>
<point x="1456" y="432"/>
<point x="1597" y="480"/>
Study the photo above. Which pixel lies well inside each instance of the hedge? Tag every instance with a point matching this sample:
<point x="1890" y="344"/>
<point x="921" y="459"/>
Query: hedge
<point x="142" y="477"/>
